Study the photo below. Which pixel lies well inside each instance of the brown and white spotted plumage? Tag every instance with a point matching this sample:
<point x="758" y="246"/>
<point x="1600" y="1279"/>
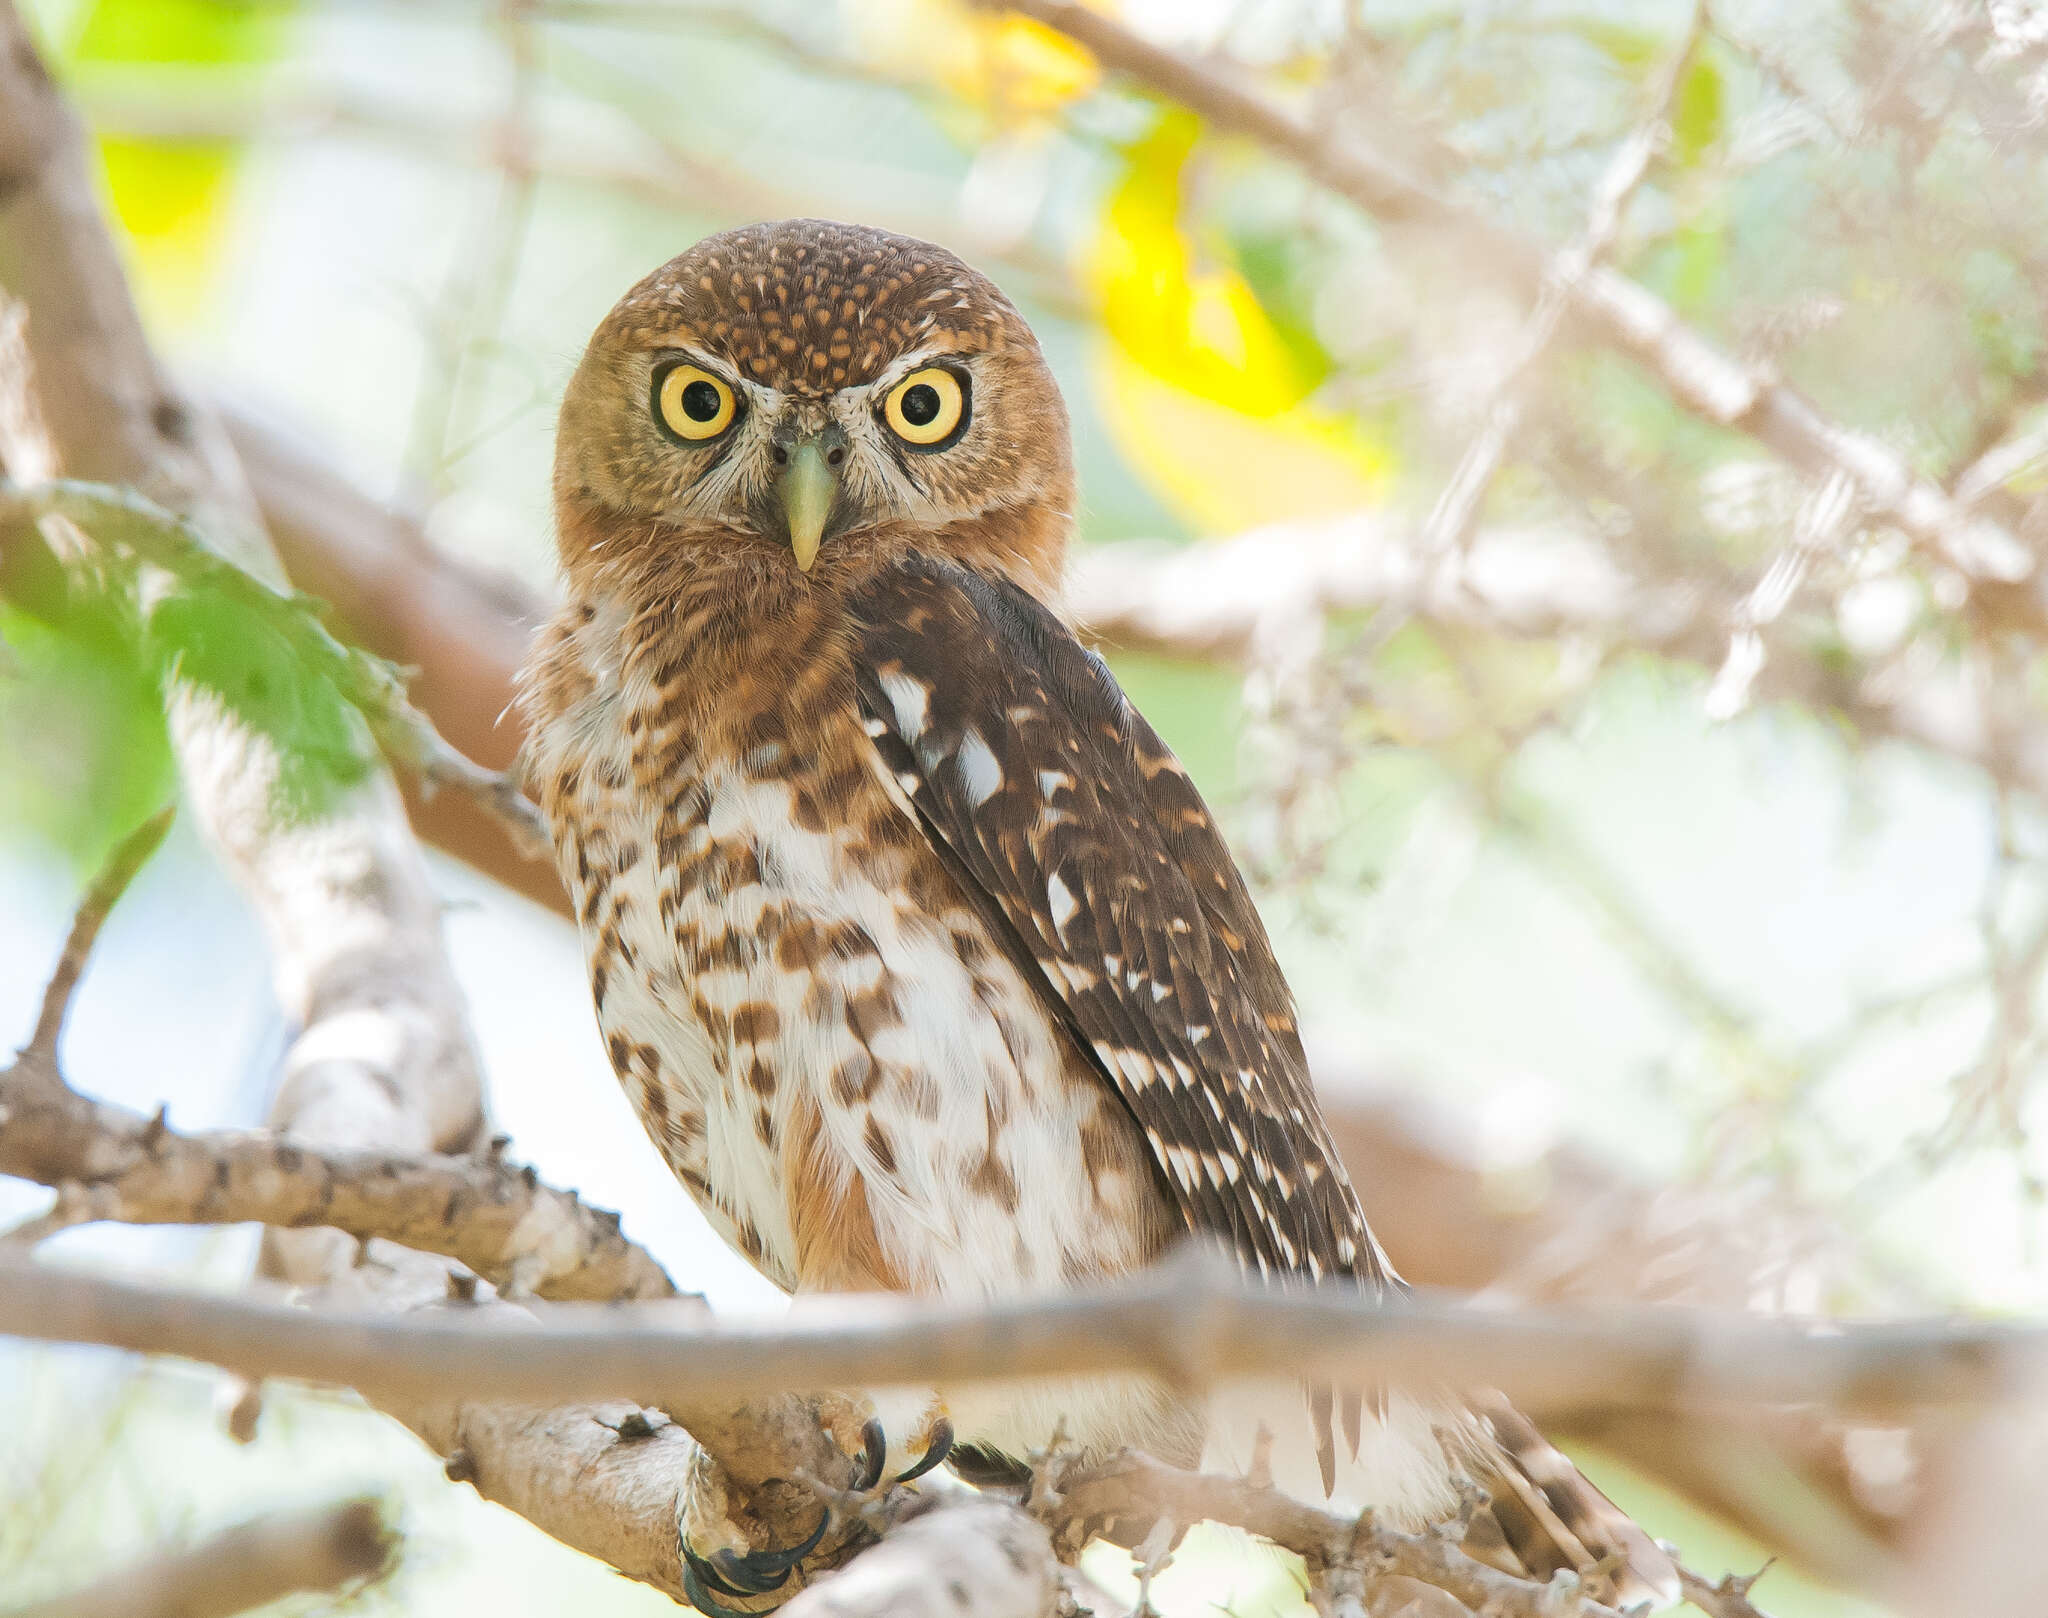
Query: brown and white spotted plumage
<point x="918" y="953"/>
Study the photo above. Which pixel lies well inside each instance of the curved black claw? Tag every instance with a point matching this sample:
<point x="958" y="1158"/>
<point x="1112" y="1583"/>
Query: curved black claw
<point x="936" y="1449"/>
<point x="693" y="1592"/>
<point x="757" y="1573"/>
<point x="874" y="1455"/>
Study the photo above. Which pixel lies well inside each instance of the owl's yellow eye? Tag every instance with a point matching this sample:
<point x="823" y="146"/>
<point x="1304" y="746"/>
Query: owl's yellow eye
<point x="926" y="407"/>
<point x="692" y="403"/>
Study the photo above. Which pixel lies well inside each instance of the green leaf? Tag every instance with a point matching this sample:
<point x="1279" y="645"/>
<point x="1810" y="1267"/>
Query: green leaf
<point x="1698" y="111"/>
<point x="233" y="653"/>
<point x="83" y="753"/>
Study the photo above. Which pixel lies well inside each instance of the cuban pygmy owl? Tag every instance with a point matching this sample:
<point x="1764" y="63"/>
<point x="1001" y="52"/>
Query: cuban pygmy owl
<point x="916" y="950"/>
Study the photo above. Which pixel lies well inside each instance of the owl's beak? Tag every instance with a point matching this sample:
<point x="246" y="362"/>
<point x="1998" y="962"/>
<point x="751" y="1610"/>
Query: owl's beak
<point x="806" y="488"/>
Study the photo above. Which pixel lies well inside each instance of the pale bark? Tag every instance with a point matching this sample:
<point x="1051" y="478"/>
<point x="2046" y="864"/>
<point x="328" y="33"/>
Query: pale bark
<point x="1192" y="1322"/>
<point x="250" y="1565"/>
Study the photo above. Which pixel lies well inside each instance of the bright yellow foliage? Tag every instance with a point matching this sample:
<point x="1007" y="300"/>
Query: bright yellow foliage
<point x="1205" y="395"/>
<point x="1014" y="69"/>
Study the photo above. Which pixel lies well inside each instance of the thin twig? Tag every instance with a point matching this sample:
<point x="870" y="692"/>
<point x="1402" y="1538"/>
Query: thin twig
<point x="1450" y="520"/>
<point x="128" y="857"/>
<point x="1619" y="311"/>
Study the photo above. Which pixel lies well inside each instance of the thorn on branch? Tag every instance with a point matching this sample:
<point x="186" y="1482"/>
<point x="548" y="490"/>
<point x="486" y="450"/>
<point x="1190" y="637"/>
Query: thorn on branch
<point x="1726" y="1598"/>
<point x="1259" y="1475"/>
<point x="636" y="1425"/>
<point x="239" y="1404"/>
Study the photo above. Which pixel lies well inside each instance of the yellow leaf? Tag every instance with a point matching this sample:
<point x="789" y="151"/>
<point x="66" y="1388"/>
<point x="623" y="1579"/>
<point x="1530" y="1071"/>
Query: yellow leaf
<point x="169" y="200"/>
<point x="1009" y="66"/>
<point x="1223" y="471"/>
<point x="1034" y="69"/>
<point x="1206" y="397"/>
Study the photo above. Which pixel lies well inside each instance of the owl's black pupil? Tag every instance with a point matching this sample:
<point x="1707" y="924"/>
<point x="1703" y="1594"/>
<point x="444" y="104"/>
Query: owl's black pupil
<point x="921" y="405"/>
<point x="701" y="401"/>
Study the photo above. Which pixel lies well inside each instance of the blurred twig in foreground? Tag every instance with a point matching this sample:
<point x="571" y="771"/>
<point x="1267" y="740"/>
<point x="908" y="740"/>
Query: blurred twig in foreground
<point x="249" y="1565"/>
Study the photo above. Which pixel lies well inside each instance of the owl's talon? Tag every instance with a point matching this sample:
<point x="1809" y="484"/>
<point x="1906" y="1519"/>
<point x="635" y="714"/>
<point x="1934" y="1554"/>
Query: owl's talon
<point x="741" y="1577"/>
<point x="743" y="1574"/>
<point x="779" y="1563"/>
<point x="936" y="1449"/>
<point x="705" y="1574"/>
<point x="694" y="1593"/>
<point x="874" y="1455"/>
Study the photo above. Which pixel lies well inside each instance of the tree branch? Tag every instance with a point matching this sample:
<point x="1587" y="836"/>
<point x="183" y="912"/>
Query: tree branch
<point x="963" y="1558"/>
<point x="491" y="1215"/>
<point x="383" y="1061"/>
<point x="249" y="1565"/>
<point x="1618" y="311"/>
<point x="1190" y="1322"/>
<point x="607" y="1478"/>
<point x="112" y="528"/>
<point x="352" y="922"/>
<point x="1135" y="1484"/>
<point x="107" y="887"/>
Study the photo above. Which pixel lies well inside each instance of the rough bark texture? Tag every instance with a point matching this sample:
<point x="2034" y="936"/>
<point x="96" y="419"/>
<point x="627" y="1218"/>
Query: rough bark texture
<point x="967" y="1559"/>
<point x="489" y="1214"/>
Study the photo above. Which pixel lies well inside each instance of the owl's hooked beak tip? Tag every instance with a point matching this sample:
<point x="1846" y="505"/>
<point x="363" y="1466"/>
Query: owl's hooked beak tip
<point x="807" y="487"/>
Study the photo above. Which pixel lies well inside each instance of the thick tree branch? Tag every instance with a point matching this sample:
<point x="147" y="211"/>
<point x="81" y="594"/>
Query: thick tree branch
<point x="464" y="632"/>
<point x="352" y="922"/>
<point x="249" y="1565"/>
<point x="964" y="1558"/>
<point x="383" y="1061"/>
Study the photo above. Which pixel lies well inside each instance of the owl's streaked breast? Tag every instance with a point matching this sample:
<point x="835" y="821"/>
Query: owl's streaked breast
<point x="857" y="1085"/>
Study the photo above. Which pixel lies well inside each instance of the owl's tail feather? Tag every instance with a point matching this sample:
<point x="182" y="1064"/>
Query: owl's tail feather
<point x="1550" y="1517"/>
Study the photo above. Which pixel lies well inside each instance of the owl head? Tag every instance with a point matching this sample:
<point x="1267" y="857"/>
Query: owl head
<point x="816" y="396"/>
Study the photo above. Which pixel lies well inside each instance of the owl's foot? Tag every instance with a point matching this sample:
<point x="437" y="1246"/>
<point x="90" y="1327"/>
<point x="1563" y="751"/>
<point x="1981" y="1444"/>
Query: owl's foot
<point x="749" y="1575"/>
<point x="742" y="1574"/>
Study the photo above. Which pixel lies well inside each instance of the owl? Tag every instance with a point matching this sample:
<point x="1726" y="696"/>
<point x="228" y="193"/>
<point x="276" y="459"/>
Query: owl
<point x="917" y="952"/>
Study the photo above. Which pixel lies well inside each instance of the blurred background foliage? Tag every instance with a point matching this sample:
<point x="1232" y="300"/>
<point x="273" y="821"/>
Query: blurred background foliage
<point x="1763" y="947"/>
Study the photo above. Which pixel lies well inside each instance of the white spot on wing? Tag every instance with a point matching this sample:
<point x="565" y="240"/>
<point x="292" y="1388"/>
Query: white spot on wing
<point x="911" y="698"/>
<point x="979" y="771"/>
<point x="1063" y="903"/>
